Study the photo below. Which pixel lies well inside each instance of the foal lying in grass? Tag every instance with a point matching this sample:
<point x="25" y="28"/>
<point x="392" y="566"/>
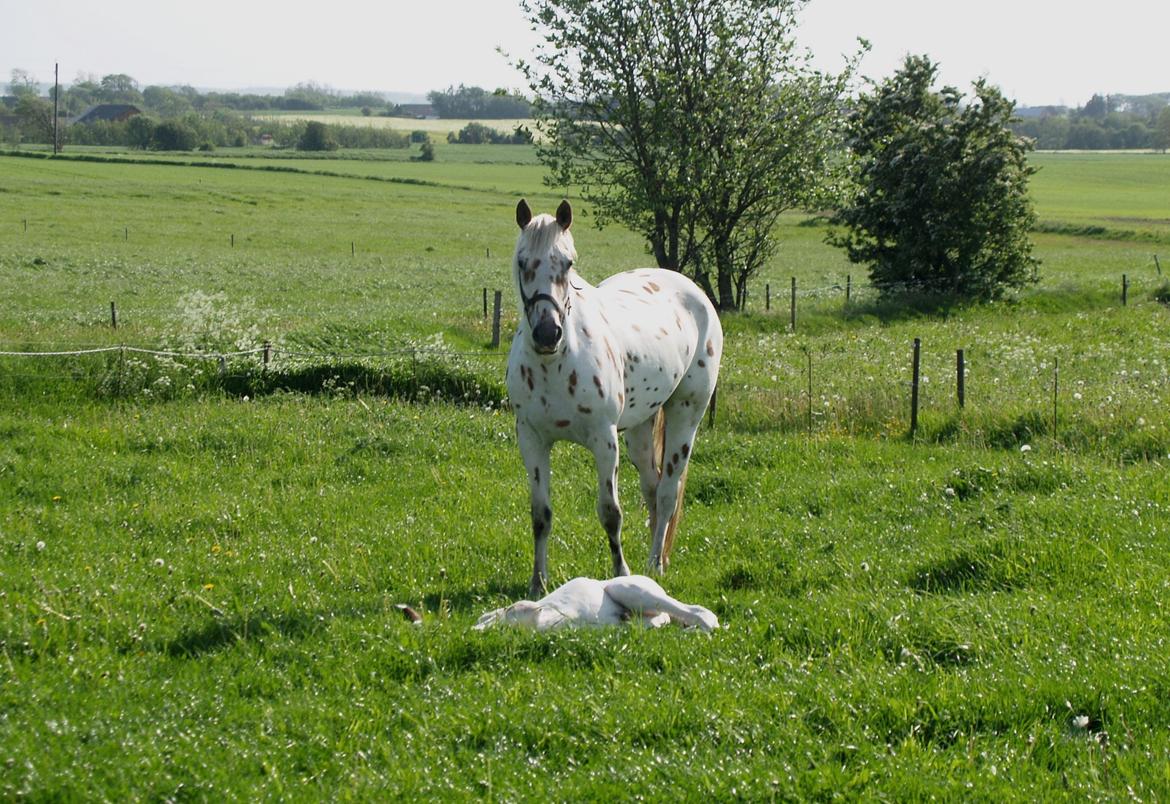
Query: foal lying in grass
<point x="586" y="602"/>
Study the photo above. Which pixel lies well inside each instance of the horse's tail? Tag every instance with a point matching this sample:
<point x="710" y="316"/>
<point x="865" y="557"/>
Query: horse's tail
<point x="660" y="458"/>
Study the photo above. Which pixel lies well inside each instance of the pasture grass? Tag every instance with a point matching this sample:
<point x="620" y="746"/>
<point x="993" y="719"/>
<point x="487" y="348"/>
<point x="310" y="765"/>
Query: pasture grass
<point x="1109" y="195"/>
<point x="199" y="572"/>
<point x="199" y="601"/>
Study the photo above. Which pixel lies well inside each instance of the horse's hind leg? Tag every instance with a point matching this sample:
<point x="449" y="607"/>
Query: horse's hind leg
<point x="640" y="448"/>
<point x="605" y="455"/>
<point x="535" y="451"/>
<point x="683" y="416"/>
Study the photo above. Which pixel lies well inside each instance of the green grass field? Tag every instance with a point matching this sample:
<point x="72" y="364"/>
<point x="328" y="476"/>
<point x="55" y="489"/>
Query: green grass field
<point x="199" y="573"/>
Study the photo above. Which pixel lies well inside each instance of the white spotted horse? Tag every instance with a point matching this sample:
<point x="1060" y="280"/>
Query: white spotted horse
<point x="637" y="354"/>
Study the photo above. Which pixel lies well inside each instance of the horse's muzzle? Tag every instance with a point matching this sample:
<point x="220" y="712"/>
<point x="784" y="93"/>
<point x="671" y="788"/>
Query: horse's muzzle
<point x="546" y="335"/>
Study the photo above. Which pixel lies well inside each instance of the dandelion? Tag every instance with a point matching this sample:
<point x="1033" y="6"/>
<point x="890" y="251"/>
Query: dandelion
<point x="1081" y="721"/>
<point x="207" y="587"/>
<point x="1026" y="448"/>
<point x="215" y="548"/>
<point x="40" y="546"/>
<point x="158" y="562"/>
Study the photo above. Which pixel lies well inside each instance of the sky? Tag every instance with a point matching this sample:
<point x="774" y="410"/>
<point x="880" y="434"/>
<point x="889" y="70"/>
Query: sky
<point x="1039" y="52"/>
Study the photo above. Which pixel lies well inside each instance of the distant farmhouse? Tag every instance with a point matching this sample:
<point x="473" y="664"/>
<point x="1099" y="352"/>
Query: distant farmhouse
<point x="109" y="113"/>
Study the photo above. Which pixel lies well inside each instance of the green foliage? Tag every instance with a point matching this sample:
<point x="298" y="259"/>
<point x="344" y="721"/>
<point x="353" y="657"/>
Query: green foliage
<point x="174" y="135"/>
<point x="35" y="117"/>
<point x="316" y="138"/>
<point x="475" y="103"/>
<point x="1161" y="136"/>
<point x="140" y="131"/>
<point x="479" y="134"/>
<point x="1114" y="122"/>
<point x="695" y="124"/>
<point x="941" y="202"/>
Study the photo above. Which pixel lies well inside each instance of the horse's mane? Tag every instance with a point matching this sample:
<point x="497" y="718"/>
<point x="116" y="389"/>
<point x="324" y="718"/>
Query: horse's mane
<point x="542" y="234"/>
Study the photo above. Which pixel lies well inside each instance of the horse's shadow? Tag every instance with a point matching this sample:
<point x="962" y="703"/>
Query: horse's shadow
<point x="222" y="631"/>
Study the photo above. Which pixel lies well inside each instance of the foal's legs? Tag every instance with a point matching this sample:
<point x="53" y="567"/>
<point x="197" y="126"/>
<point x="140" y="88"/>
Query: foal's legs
<point x="645" y="597"/>
<point x="535" y="452"/>
<point x="605" y="455"/>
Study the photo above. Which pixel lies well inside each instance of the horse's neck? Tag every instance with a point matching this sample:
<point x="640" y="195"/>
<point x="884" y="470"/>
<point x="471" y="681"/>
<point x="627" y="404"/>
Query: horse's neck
<point x="582" y="321"/>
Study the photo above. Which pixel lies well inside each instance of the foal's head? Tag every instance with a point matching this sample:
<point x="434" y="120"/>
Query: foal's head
<point x="544" y="256"/>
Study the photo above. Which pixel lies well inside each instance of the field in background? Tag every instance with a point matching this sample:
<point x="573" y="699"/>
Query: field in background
<point x="200" y="571"/>
<point x="441" y="127"/>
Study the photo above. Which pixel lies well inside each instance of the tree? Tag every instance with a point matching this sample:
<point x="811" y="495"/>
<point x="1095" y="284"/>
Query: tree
<point x="316" y="138"/>
<point x="166" y="102"/>
<point x="941" y="202"/>
<point x="120" y="88"/>
<point x="1161" y="133"/>
<point x="36" y="118"/>
<point x="23" y="84"/>
<point x="174" y="135"/>
<point x="693" y="122"/>
<point x="140" y="131"/>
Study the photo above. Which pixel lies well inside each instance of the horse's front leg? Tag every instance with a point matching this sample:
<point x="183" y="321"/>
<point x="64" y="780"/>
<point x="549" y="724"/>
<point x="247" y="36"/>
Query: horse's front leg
<point x="535" y="452"/>
<point x="605" y="454"/>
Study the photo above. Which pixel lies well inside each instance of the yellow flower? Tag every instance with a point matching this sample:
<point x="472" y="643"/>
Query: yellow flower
<point x="207" y="587"/>
<point x="215" y="548"/>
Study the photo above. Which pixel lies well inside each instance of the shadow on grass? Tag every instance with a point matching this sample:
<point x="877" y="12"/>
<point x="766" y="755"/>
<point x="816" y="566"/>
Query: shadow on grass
<point x="213" y="635"/>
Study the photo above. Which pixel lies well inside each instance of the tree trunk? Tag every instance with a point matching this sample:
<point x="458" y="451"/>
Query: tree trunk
<point x="726" y="300"/>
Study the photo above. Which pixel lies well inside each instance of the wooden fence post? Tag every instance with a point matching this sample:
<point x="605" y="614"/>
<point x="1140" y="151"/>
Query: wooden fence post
<point x="496" y="320"/>
<point x="848" y="288"/>
<point x="267" y="353"/>
<point x="1055" y="393"/>
<point x="961" y="378"/>
<point x="914" y="387"/>
<point x="792" y="311"/>
<point x="113" y="315"/>
<point x="485" y="304"/>
<point x="1124" y="290"/>
<point x="767" y="297"/>
<point x="808" y="354"/>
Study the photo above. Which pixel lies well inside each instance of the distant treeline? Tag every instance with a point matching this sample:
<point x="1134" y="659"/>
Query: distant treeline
<point x="227" y="129"/>
<point x="475" y="103"/>
<point x="1106" y="122"/>
<point x="176" y="101"/>
<point x="183" y="118"/>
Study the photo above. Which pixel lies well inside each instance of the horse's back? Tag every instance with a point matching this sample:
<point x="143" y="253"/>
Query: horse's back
<point x="653" y="305"/>
<point x="669" y="333"/>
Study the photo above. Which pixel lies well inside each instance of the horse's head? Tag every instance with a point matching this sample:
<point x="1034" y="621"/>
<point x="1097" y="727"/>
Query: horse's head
<point x="544" y="257"/>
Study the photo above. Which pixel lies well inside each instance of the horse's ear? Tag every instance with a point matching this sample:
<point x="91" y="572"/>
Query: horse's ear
<point x="565" y="215"/>
<point x="523" y="213"/>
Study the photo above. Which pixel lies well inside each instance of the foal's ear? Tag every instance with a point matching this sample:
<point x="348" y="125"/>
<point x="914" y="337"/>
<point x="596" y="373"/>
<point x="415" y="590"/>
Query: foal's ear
<point x="565" y="215"/>
<point x="523" y="213"/>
